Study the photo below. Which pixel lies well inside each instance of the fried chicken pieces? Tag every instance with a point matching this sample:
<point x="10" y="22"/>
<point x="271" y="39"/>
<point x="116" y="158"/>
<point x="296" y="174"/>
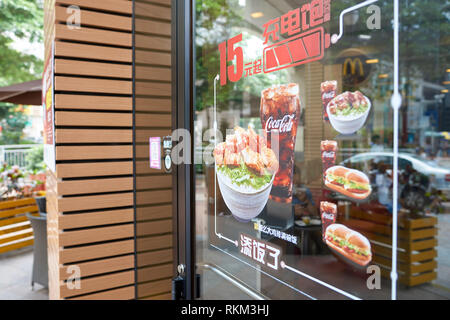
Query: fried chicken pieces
<point x="248" y="147"/>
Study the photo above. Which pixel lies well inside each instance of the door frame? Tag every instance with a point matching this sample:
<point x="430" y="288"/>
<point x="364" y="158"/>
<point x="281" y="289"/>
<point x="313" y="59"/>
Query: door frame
<point x="182" y="118"/>
<point x="183" y="75"/>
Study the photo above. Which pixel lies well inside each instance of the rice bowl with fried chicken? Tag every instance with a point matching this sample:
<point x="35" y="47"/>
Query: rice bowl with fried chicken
<point x="245" y="169"/>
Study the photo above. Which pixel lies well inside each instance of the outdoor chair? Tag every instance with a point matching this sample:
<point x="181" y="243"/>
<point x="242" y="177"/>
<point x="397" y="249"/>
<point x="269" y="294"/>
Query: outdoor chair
<point x="40" y="264"/>
<point x="42" y="204"/>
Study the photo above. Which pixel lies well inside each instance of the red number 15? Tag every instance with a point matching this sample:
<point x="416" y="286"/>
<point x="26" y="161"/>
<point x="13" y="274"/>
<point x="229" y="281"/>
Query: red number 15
<point x="229" y="55"/>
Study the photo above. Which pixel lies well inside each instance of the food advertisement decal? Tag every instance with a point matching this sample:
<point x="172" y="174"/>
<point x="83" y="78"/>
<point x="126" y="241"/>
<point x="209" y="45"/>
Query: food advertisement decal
<point x="255" y="169"/>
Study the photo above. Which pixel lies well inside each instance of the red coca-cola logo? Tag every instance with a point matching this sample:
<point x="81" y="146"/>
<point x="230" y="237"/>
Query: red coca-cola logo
<point x="282" y="125"/>
<point x="328" y="216"/>
<point x="328" y="154"/>
<point x="328" y="95"/>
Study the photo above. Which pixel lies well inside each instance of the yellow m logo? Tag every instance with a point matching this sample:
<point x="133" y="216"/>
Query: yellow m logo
<point x="353" y="63"/>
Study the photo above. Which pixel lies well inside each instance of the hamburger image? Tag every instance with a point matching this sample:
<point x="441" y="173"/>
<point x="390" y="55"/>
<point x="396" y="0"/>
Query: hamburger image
<point x="348" y="243"/>
<point x="348" y="182"/>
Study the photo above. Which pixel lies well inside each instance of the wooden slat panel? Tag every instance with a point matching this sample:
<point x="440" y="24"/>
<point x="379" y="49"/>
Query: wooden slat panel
<point x="97" y="119"/>
<point x="12" y="237"/>
<point x="96" y="36"/>
<point x="127" y="293"/>
<point x="100" y="283"/>
<point x="94" y="186"/>
<point x="72" y="101"/>
<point x="21" y="210"/>
<point x="12" y="221"/>
<point x="76" y="170"/>
<point x="167" y="3"/>
<point x="423" y="233"/>
<point x="154" y="58"/>
<point x="16" y="245"/>
<point x="105" y="36"/>
<point x="153" y="89"/>
<point x="153" y="197"/>
<point x="153" y="105"/>
<point x="93" y="85"/>
<point x="94" y="136"/>
<point x="143" y="167"/>
<point x="423" y="267"/>
<point x="153" y="182"/>
<point x="119" y="6"/>
<point x="155" y="273"/>
<point x="97" y="19"/>
<point x="424" y="255"/>
<point x="96" y="251"/>
<point x="421" y="223"/>
<point x="154" y="243"/>
<point x="95" y="202"/>
<point x="154" y="120"/>
<point x="422" y="278"/>
<point x="154" y="212"/>
<point x="153" y="42"/>
<point x="152" y="11"/>
<point x="94" y="152"/>
<point x="100" y="266"/>
<point x="154" y="257"/>
<point x="153" y="288"/>
<point x="86" y="68"/>
<point x="153" y="227"/>
<point x="71" y="238"/>
<point x="163" y="296"/>
<point x="81" y="220"/>
<point x="16" y="203"/>
<point x="155" y="27"/>
<point x="90" y="51"/>
<point x="423" y="244"/>
<point x="143" y="135"/>
<point x="153" y="73"/>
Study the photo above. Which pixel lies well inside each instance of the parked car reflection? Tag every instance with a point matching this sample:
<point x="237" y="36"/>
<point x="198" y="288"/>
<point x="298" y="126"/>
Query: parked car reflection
<point x="422" y="183"/>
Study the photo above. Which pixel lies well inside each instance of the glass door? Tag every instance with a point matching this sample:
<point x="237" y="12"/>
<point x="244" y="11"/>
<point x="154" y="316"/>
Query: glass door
<point x="295" y="149"/>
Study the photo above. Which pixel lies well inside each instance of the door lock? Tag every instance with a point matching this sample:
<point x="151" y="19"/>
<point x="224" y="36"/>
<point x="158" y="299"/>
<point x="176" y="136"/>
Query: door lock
<point x="181" y="268"/>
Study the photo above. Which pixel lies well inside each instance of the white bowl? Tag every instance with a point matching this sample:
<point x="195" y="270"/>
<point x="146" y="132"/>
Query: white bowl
<point x="244" y="205"/>
<point x="348" y="125"/>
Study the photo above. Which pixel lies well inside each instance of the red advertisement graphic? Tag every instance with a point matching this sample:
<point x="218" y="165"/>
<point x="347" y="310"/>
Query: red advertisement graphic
<point x="306" y="42"/>
<point x="300" y="49"/>
<point x="280" y="113"/>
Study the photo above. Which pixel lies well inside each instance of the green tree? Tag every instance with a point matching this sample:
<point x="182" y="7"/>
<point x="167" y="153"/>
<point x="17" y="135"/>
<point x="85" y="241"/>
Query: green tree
<point x="19" y="19"/>
<point x="13" y="122"/>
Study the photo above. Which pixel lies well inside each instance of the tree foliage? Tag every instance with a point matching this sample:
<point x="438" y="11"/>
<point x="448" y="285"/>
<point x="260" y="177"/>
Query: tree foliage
<point x="19" y="20"/>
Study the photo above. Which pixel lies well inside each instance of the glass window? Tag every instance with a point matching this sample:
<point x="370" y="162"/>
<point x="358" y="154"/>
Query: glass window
<point x="294" y="191"/>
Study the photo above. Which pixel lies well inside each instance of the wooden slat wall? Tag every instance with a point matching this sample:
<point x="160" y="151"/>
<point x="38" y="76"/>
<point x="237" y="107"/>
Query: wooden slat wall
<point x="91" y="216"/>
<point x="90" y="197"/>
<point x="153" y="119"/>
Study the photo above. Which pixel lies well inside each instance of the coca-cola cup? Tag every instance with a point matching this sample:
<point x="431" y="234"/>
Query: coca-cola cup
<point x="328" y="91"/>
<point x="280" y="113"/>
<point x="328" y="150"/>
<point x="328" y="213"/>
